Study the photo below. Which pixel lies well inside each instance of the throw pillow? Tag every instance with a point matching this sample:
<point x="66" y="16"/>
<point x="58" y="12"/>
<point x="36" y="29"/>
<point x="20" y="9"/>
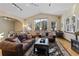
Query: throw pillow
<point x="17" y="40"/>
<point x="9" y="39"/>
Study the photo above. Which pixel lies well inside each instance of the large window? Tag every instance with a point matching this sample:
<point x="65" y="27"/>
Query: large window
<point x="53" y="26"/>
<point x="71" y="25"/>
<point x="40" y="24"/>
<point x="37" y="24"/>
<point x="44" y="24"/>
<point x="67" y="24"/>
<point x="77" y="24"/>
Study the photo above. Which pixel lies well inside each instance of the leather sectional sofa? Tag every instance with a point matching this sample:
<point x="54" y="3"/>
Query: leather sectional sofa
<point x="15" y="49"/>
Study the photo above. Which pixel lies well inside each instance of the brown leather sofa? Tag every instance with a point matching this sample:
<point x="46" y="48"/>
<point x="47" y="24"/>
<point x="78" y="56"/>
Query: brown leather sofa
<point x="15" y="49"/>
<point x="11" y="48"/>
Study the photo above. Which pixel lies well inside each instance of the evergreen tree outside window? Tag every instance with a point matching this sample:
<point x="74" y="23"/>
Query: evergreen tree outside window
<point x="40" y="24"/>
<point x="53" y="26"/>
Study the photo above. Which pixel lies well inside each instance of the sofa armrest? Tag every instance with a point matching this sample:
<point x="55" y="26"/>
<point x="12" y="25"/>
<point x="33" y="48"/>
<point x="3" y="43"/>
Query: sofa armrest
<point x="19" y="49"/>
<point x="11" y="47"/>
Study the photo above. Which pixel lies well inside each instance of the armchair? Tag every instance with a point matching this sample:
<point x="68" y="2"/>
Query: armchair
<point x="60" y="34"/>
<point x="51" y="37"/>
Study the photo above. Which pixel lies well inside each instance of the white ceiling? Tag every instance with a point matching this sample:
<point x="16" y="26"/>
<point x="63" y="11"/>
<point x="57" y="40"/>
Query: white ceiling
<point x="30" y="9"/>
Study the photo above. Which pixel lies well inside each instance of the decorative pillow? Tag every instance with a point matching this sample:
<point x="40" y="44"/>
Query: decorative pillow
<point x="20" y="37"/>
<point x="9" y="39"/>
<point x="29" y="36"/>
<point x="17" y="40"/>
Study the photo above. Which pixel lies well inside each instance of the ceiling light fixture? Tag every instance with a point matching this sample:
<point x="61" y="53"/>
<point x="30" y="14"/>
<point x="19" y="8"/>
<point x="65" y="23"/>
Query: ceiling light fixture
<point x="34" y="4"/>
<point x="49" y="4"/>
<point x="17" y="6"/>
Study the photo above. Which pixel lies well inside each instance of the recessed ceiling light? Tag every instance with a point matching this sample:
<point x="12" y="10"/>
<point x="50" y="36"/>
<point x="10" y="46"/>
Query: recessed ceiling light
<point x="32" y="4"/>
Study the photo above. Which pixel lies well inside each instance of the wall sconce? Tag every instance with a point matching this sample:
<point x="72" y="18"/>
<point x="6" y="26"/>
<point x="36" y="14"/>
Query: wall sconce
<point x="24" y="25"/>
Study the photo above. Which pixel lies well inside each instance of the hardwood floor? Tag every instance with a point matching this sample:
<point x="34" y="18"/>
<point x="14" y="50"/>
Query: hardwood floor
<point x="67" y="45"/>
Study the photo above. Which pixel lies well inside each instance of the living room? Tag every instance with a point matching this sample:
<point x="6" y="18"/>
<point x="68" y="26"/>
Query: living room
<point x="39" y="29"/>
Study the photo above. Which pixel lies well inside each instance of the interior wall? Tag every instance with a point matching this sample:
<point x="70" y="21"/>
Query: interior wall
<point x="30" y="20"/>
<point x="6" y="26"/>
<point x="18" y="26"/>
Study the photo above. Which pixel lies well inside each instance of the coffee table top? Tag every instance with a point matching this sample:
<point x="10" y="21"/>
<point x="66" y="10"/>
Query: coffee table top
<point x="41" y="43"/>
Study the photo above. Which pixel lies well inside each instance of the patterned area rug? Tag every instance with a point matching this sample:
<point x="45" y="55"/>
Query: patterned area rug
<point x="53" y="51"/>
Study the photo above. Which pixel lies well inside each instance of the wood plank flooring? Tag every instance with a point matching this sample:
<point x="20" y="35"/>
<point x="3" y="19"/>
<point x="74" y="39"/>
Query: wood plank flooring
<point x="67" y="45"/>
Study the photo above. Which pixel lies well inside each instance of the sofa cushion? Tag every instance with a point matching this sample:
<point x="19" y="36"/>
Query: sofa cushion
<point x="25" y="46"/>
<point x="28" y="41"/>
<point x="16" y="40"/>
<point x="9" y="39"/>
<point x="20" y="37"/>
<point x="29" y="36"/>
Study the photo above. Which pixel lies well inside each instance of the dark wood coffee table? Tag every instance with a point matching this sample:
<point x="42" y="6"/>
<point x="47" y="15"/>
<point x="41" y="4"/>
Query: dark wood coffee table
<point x="42" y="46"/>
